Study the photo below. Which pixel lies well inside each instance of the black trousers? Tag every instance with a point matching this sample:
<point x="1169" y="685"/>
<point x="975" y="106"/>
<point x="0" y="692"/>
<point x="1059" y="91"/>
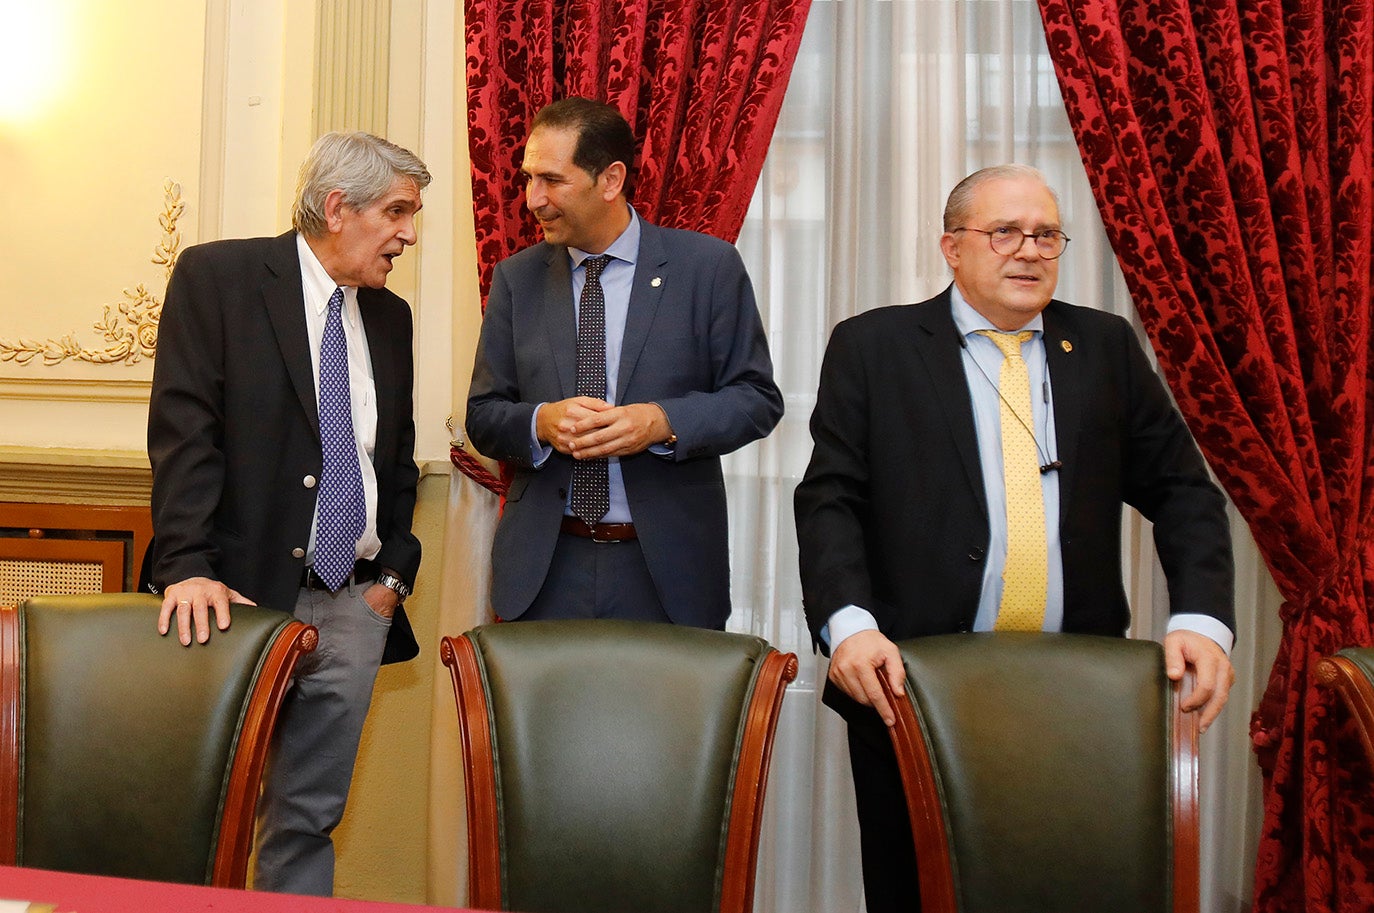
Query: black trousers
<point x="589" y="579"/>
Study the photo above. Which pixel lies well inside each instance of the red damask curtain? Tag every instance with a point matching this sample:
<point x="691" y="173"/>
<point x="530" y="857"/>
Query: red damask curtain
<point x="700" y="81"/>
<point x="1229" y="148"/>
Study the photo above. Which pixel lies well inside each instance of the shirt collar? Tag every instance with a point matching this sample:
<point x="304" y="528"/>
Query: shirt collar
<point x="968" y="321"/>
<point x="317" y="285"/>
<point x="625" y="247"/>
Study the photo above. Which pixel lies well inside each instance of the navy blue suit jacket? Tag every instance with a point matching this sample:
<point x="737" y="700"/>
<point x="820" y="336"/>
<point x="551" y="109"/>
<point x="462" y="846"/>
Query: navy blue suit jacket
<point x="694" y="344"/>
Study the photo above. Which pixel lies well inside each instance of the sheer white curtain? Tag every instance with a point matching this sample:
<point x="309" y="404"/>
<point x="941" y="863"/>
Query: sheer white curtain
<point x="891" y="102"/>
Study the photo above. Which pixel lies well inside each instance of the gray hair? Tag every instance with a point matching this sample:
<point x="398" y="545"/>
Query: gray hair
<point x="363" y="166"/>
<point x="961" y="197"/>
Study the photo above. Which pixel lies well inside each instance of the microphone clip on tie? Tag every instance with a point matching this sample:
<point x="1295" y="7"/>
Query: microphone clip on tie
<point x="1049" y="465"/>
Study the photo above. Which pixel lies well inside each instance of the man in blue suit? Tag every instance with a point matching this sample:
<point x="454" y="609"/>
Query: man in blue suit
<point x="617" y="506"/>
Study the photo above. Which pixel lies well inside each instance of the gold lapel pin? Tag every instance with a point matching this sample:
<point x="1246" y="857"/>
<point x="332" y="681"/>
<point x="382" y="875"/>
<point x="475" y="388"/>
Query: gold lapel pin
<point x="656" y="281"/>
<point x="1066" y="346"/>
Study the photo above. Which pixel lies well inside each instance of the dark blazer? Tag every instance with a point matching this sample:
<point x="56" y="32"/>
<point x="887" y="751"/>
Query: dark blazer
<point x="891" y="514"/>
<point x="233" y="427"/>
<point x="694" y="344"/>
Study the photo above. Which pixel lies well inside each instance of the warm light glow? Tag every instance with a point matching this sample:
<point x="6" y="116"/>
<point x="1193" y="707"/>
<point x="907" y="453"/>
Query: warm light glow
<point x="32" y="62"/>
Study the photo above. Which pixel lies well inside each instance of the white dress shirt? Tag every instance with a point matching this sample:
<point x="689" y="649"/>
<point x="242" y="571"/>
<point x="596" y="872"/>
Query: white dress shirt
<point x="317" y="288"/>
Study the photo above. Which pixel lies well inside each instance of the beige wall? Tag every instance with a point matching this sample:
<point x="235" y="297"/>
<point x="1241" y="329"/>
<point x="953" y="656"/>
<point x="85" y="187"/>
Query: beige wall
<point x="219" y="97"/>
<point x="383" y="840"/>
<point x="92" y="124"/>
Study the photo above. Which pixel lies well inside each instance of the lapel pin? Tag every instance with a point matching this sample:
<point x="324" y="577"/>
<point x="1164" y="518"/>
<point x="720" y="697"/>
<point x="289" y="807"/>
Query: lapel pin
<point x="1066" y="346"/>
<point x="656" y="281"/>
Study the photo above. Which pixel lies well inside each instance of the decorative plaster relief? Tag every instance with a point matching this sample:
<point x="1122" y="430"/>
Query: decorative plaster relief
<point x="129" y="328"/>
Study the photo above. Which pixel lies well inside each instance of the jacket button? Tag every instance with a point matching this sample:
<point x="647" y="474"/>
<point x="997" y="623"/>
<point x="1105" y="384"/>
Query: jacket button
<point x="975" y="554"/>
<point x="297" y="553"/>
<point x="308" y="481"/>
<point x="563" y="494"/>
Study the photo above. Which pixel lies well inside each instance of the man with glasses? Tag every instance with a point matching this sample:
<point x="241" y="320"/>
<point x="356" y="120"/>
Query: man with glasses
<point x="972" y="456"/>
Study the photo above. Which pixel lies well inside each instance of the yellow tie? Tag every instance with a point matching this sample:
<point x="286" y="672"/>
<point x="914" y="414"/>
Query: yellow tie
<point x="1024" y="576"/>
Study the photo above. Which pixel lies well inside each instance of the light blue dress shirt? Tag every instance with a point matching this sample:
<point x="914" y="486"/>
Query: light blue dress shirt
<point x="982" y="371"/>
<point x="617" y="278"/>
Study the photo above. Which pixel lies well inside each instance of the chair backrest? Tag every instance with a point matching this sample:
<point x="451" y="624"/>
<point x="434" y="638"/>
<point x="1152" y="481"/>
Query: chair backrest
<point x="614" y="765"/>
<point x="1047" y="772"/>
<point x="124" y="753"/>
<point x="1350" y="673"/>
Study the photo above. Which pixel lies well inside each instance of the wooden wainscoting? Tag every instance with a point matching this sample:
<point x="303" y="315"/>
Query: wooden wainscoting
<point x="56" y="549"/>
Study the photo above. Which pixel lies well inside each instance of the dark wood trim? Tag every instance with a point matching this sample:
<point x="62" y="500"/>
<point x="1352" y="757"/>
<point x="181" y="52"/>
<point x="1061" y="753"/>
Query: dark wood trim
<point x="235" y="840"/>
<point x="9" y="734"/>
<point x="923" y="804"/>
<point x="1354" y="687"/>
<point x="751" y="780"/>
<point x="136" y="521"/>
<point x="1184" y="734"/>
<point x="479" y="769"/>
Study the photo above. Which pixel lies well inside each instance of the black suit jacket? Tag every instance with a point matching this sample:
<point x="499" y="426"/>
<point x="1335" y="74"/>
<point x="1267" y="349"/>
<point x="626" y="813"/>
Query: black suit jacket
<point x="233" y="425"/>
<point x="892" y="516"/>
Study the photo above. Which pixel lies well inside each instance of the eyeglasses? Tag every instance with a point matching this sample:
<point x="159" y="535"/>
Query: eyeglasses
<point x="1007" y="240"/>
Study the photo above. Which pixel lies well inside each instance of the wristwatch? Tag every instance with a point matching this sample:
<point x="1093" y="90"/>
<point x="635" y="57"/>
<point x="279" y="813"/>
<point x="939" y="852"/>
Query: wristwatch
<point x="395" y="584"/>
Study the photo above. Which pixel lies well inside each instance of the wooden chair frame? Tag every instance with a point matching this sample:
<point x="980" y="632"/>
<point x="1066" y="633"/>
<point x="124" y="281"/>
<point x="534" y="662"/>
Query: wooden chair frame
<point x="1354" y="687"/>
<point x="234" y="842"/>
<point x="934" y="864"/>
<point x="479" y="783"/>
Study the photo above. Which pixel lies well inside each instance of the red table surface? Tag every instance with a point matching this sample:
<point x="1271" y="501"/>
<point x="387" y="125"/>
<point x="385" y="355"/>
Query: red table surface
<point x="98" y="894"/>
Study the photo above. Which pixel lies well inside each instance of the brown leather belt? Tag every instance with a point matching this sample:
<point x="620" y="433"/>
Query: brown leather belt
<point x="599" y="532"/>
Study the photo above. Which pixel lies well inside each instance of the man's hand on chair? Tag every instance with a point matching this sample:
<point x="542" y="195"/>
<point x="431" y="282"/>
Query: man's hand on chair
<point x="191" y="601"/>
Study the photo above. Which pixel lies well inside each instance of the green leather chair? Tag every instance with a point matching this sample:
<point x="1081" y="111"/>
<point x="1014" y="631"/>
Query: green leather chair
<point x="614" y="765"/>
<point x="1047" y="772"/>
<point x="1350" y="673"/>
<point x="124" y="753"/>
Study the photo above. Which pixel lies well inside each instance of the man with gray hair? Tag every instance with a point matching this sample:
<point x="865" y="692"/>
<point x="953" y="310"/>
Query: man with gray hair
<point x="282" y="445"/>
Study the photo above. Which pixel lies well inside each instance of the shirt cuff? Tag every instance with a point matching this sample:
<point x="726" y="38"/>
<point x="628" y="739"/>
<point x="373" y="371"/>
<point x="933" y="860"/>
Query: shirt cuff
<point x="539" y="453"/>
<point x="846" y="621"/>
<point x="1205" y="625"/>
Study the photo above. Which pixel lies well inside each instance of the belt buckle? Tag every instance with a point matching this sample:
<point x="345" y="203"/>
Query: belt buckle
<point x="592" y="529"/>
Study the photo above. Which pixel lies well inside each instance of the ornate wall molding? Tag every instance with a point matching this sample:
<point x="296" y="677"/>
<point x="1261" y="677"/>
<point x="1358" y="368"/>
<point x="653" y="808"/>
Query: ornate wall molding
<point x="73" y="390"/>
<point x="67" y="475"/>
<point x="55" y="475"/>
<point x="129" y="328"/>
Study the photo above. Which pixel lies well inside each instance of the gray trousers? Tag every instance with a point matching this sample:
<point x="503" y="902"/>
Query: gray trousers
<point x="311" y="762"/>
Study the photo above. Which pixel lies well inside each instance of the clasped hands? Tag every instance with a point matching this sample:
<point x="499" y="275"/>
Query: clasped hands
<point x="587" y="428"/>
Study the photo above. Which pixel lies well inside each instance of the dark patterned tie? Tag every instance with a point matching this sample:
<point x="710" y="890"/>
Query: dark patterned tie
<point x="342" y="509"/>
<point x="591" y="490"/>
